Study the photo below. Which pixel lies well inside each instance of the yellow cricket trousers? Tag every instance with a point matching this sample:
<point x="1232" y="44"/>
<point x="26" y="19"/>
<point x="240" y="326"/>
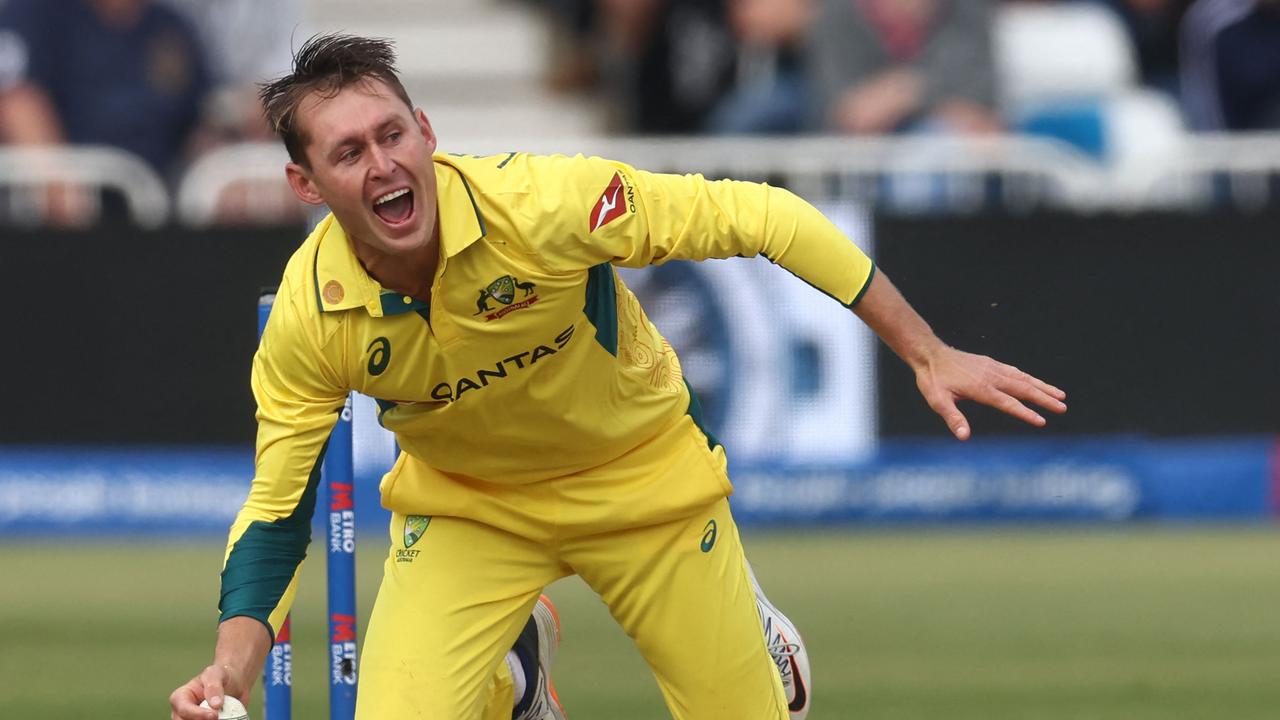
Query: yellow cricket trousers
<point x="463" y="575"/>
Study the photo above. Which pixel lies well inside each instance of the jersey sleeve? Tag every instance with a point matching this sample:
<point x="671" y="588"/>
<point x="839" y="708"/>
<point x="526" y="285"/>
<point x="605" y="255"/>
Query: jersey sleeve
<point x="299" y="398"/>
<point x="611" y="212"/>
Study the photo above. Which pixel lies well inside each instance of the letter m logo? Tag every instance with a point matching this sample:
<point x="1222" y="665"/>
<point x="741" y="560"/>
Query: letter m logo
<point x="342" y="627"/>
<point x="340" y="497"/>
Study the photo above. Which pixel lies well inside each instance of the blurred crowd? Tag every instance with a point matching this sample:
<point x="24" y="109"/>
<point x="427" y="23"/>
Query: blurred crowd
<point x="168" y="79"/>
<point x="866" y="67"/>
<point x="162" y="79"/>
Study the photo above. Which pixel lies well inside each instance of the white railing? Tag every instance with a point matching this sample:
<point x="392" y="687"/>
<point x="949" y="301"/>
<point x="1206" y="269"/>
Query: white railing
<point x="26" y="170"/>
<point x="1246" y="163"/>
<point x="200" y="193"/>
<point x="1032" y="172"/>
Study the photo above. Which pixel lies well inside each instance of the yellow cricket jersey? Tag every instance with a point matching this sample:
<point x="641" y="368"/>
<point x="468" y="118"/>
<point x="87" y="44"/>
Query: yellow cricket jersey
<point x="532" y="361"/>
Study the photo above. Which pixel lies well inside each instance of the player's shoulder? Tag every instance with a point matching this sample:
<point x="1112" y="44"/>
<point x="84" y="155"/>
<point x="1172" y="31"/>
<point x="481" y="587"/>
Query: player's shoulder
<point x="536" y="198"/>
<point x="572" y="170"/>
<point x="298" y="281"/>
<point x="522" y="172"/>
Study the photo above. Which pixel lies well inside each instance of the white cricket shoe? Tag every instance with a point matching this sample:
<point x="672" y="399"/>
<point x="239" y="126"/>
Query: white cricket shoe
<point x="787" y="649"/>
<point x="541" y="638"/>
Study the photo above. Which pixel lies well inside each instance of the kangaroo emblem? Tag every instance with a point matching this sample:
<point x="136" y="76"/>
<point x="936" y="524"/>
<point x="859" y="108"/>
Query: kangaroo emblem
<point x="504" y="291"/>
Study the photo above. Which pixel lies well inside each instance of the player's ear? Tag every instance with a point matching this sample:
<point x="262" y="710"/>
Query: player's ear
<point x="424" y="125"/>
<point x="300" y="180"/>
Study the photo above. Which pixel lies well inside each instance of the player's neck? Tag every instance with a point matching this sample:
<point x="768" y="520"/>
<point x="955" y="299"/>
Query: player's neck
<point x="410" y="274"/>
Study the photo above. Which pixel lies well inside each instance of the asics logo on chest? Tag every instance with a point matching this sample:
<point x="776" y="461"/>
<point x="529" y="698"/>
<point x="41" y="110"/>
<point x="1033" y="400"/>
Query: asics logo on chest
<point x="380" y="355"/>
<point x="708" y="536"/>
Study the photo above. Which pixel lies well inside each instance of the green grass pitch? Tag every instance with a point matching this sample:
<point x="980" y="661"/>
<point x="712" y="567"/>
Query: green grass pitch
<point x="1132" y="623"/>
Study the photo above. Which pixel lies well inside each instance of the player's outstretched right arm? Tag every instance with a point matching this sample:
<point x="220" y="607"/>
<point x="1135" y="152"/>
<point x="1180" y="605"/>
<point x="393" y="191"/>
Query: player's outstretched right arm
<point x="944" y="374"/>
<point x="299" y="397"/>
<point x="243" y="644"/>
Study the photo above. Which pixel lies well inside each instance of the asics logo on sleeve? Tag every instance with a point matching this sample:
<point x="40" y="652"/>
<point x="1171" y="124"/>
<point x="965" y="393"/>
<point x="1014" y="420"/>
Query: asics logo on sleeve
<point x="610" y="206"/>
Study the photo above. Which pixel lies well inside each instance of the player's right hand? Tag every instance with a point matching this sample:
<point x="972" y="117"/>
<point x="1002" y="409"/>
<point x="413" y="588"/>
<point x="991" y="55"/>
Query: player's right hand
<point x="211" y="684"/>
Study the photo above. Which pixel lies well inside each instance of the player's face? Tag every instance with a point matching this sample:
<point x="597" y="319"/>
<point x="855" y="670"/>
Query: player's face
<point x="370" y="161"/>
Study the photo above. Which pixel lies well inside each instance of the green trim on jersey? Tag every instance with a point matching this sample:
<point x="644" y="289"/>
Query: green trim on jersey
<point x="852" y="303"/>
<point x="601" y="307"/>
<point x="695" y="412"/>
<point x="479" y="218"/>
<point x="393" y="303"/>
<point x="265" y="558"/>
<point x="315" y="278"/>
<point x="867" y="286"/>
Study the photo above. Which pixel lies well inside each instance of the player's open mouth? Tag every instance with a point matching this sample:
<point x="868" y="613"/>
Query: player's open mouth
<point x="395" y="208"/>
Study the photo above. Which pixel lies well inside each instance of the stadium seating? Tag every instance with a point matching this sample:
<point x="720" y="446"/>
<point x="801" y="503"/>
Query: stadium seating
<point x="1068" y="72"/>
<point x="478" y="67"/>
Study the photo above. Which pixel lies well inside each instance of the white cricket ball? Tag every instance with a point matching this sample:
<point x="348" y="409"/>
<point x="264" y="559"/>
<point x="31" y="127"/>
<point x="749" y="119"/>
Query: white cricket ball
<point x="232" y="709"/>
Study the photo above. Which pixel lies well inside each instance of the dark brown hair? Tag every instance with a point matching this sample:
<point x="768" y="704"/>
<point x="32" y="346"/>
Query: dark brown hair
<point x="326" y="64"/>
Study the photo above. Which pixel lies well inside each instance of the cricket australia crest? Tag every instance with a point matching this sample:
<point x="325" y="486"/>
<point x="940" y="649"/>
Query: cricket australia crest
<point x="503" y="291"/>
<point x="414" y="526"/>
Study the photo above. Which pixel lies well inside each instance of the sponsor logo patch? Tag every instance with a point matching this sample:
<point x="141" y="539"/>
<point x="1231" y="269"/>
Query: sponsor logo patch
<point x="503" y="291"/>
<point x="482" y="377"/>
<point x="617" y="200"/>
<point x="414" y="527"/>
<point x="342" y="519"/>
<point x="801" y="694"/>
<point x="380" y="355"/>
<point x="333" y="292"/>
<point x="709" y="536"/>
<point x="342" y="649"/>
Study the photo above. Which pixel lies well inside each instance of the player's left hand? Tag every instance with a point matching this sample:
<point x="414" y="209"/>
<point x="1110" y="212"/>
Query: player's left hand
<point x="954" y="375"/>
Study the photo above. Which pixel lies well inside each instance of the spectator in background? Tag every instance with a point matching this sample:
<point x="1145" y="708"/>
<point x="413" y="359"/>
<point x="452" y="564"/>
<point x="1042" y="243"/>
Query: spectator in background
<point x="573" y="47"/>
<point x="906" y="66"/>
<point x="886" y="66"/>
<point x="771" y="90"/>
<point x="1153" y="28"/>
<point x="1231" y="65"/>
<point x="671" y="61"/>
<point x="248" y="42"/>
<point x="125" y="73"/>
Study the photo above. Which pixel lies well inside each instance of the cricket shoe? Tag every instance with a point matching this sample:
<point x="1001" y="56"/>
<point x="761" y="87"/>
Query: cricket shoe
<point x="540" y="639"/>
<point x="787" y="649"/>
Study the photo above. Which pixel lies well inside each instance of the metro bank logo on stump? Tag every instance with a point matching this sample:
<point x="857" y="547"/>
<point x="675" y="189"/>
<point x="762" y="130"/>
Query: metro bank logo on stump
<point x="342" y="649"/>
<point x="342" y="519"/>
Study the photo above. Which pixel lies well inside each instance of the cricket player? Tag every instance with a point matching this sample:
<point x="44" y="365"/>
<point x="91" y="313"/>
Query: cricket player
<point x="545" y="425"/>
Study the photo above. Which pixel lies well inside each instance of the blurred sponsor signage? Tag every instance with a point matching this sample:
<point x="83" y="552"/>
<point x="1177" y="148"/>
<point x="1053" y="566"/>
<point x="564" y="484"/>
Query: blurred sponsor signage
<point x="197" y="492"/>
